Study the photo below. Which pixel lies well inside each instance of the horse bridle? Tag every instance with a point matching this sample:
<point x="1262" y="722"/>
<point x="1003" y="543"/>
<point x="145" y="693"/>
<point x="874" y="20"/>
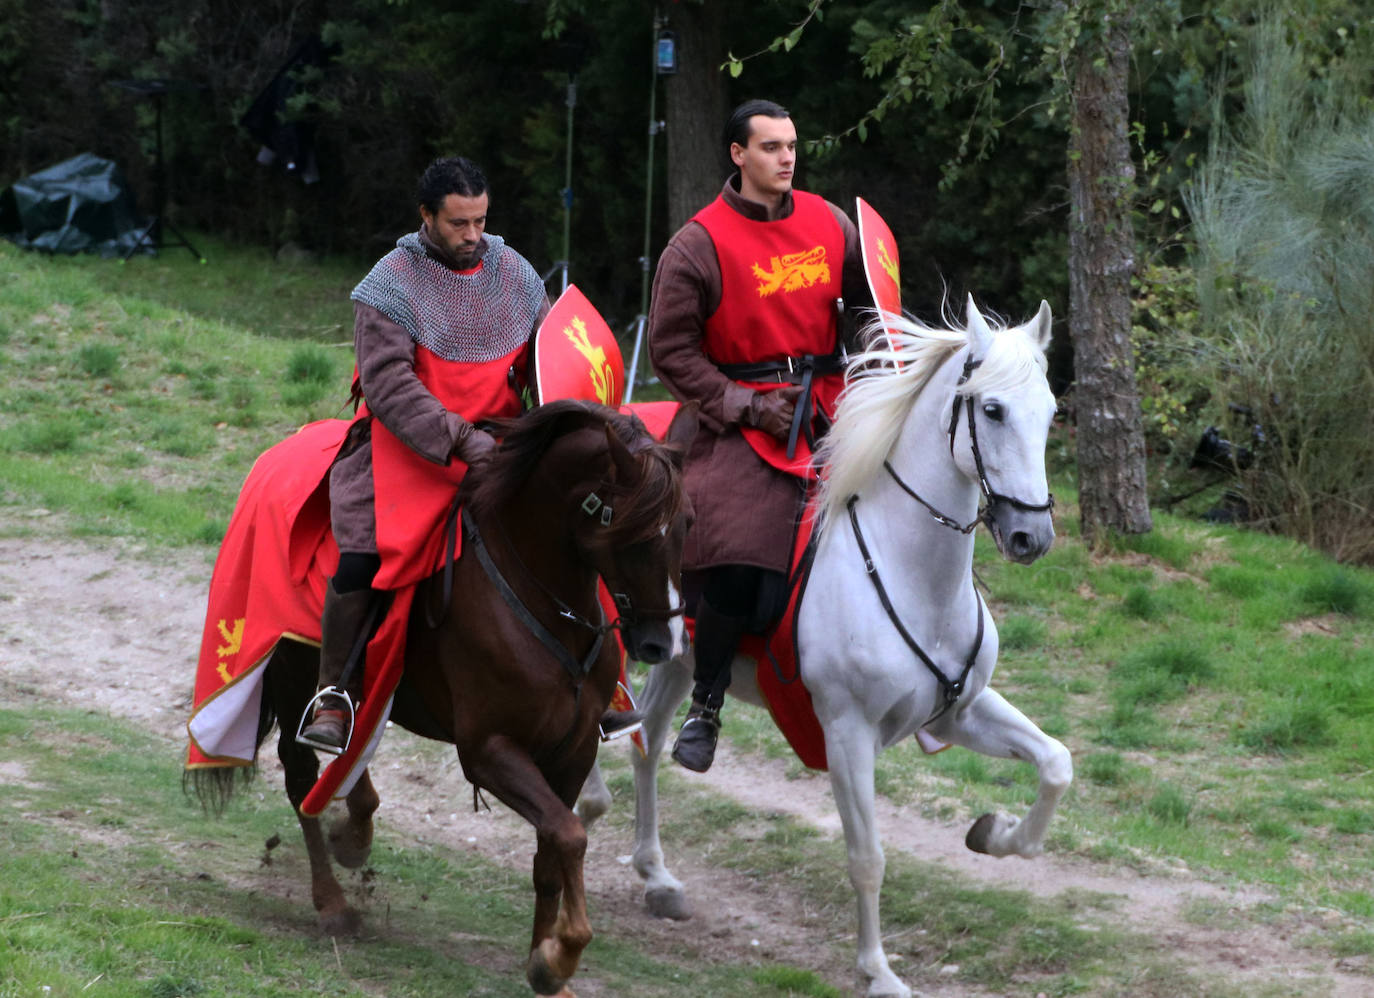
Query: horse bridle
<point x="991" y="497"/>
<point x="628" y="615"/>
<point x="951" y="688"/>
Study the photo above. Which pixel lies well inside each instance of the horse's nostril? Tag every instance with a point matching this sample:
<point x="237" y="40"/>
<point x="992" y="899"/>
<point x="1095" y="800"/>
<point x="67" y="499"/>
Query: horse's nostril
<point x="653" y="652"/>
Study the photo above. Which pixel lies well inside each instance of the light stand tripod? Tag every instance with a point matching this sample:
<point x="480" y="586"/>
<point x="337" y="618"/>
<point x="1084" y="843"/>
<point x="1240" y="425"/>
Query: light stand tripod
<point x="664" y="63"/>
<point x="152" y="235"/>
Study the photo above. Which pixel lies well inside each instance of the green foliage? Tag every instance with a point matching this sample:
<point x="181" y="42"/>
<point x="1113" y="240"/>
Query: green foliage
<point x="1018" y="633"/>
<point x="1169" y="805"/>
<point x="99" y="360"/>
<point x="310" y="363"/>
<point x="1284" y="212"/>
<point x="1296" y="724"/>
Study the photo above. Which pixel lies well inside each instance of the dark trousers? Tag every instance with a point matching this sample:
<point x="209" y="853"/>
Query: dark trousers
<point x="735" y="600"/>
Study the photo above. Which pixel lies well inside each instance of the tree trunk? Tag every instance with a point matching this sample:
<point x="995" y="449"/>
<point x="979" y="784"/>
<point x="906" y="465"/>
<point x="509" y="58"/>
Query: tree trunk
<point x="1111" y="436"/>
<point x="696" y="109"/>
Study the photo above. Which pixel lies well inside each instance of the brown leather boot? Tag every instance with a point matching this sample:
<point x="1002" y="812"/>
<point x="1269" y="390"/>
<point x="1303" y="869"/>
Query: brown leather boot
<point x="342" y="624"/>
<point x="616" y="722"/>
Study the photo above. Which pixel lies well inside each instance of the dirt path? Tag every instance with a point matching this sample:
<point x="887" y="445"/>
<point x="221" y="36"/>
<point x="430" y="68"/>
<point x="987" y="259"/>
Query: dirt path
<point x="102" y="625"/>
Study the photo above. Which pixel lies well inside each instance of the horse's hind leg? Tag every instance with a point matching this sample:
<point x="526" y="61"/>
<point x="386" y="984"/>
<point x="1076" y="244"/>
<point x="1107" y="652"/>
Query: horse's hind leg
<point x="350" y="837"/>
<point x="992" y="726"/>
<point x="668" y="684"/>
<point x="290" y="680"/>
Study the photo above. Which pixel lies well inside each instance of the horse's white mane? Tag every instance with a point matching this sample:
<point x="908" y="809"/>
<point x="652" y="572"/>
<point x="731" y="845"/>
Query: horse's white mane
<point x="885" y="381"/>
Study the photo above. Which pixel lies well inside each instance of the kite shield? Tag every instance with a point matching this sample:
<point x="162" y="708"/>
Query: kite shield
<point x="576" y="355"/>
<point x="880" y="260"/>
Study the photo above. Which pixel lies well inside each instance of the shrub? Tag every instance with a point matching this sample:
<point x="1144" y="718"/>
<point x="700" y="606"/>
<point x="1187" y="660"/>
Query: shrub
<point x="99" y="360"/>
<point x="1283" y="213"/>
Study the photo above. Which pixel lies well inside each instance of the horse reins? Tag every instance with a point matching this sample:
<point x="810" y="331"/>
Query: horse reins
<point x="951" y="688"/>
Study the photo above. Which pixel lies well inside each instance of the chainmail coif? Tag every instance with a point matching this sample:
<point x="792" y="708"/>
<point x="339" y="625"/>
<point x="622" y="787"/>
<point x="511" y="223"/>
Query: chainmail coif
<point x="469" y="318"/>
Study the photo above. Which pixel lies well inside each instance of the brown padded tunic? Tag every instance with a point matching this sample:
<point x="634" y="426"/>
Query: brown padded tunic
<point x="745" y="509"/>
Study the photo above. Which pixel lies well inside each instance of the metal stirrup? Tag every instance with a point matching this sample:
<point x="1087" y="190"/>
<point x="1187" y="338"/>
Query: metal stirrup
<point x="309" y="712"/>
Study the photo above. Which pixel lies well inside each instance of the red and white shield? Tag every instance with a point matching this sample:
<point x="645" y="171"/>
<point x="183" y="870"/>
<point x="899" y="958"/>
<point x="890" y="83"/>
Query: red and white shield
<point x="880" y="259"/>
<point x="576" y="355"/>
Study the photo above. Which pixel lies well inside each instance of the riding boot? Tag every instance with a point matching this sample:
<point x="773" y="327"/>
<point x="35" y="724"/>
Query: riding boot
<point x="615" y="721"/>
<point x="341" y="625"/>
<point x="717" y="637"/>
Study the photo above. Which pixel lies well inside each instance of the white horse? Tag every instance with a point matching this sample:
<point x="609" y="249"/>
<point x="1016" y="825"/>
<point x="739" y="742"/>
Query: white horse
<point x="893" y="638"/>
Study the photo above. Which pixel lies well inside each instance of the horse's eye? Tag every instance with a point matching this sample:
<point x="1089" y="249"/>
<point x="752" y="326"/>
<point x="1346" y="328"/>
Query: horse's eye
<point x="994" y="411"/>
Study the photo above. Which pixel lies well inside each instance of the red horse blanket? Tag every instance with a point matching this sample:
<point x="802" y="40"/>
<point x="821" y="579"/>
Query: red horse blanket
<point x="776" y="663"/>
<point x="268" y="584"/>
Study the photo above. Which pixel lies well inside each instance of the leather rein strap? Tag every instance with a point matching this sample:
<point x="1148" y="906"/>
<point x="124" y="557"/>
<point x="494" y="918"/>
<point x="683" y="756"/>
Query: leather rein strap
<point x="577" y="670"/>
<point x="951" y="688"/>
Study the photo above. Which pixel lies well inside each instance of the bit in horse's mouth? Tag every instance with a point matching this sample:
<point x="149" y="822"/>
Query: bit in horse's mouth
<point x="996" y="532"/>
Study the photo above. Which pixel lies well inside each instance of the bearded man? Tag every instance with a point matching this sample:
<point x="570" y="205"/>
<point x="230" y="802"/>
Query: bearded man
<point x="441" y="327"/>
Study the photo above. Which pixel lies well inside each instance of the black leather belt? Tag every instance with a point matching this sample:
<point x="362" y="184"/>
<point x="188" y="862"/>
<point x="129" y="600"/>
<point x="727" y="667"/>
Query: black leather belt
<point x="789" y="370"/>
<point x="795" y="371"/>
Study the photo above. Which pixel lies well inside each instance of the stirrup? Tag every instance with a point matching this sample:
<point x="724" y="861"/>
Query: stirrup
<point x="309" y="712"/>
<point x="635" y="716"/>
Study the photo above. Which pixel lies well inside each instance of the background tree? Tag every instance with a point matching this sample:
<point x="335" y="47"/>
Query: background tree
<point x="696" y="109"/>
<point x="1111" y="438"/>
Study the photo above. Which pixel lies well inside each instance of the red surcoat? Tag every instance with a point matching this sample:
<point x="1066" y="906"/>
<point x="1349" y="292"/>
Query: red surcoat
<point x="780" y="279"/>
<point x="413" y="494"/>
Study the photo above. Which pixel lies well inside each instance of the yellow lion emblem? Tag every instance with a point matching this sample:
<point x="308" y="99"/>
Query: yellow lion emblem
<point x="793" y="272"/>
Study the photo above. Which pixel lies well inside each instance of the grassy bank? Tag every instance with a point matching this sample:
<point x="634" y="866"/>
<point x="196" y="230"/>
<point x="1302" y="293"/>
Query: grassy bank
<point x="141" y="393"/>
<point x="1216" y="688"/>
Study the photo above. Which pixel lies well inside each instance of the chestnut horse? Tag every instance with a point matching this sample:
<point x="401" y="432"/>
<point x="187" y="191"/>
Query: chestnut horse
<point x="522" y="664"/>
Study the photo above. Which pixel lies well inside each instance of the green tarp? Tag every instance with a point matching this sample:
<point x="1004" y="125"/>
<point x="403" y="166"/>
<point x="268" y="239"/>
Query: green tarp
<point x="81" y="204"/>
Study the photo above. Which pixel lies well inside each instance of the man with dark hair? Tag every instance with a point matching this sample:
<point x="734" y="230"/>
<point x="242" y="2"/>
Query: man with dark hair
<point x="745" y="321"/>
<point x="440" y="329"/>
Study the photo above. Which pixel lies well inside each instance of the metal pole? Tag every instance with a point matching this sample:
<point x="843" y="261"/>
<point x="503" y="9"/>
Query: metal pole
<point x="567" y="182"/>
<point x="642" y="320"/>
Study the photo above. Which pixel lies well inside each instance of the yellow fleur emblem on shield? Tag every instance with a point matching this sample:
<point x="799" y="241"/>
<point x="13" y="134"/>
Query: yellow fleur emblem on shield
<point x="602" y="375"/>
<point x="887" y="263"/>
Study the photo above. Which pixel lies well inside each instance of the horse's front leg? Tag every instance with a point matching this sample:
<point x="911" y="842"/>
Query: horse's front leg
<point x="668" y="684"/>
<point x="350" y="838"/>
<point x="561" y="928"/>
<point x="992" y="726"/>
<point x="851" y="748"/>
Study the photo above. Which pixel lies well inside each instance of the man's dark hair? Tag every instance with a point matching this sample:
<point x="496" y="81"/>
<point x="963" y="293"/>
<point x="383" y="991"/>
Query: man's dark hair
<point x="450" y="175"/>
<point x="737" y="127"/>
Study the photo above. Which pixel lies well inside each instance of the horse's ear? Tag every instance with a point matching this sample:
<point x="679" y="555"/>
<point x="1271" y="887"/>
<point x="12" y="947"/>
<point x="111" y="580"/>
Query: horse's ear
<point x="979" y="335"/>
<point x="686" y="422"/>
<point x="1042" y="326"/>
<point x="627" y="471"/>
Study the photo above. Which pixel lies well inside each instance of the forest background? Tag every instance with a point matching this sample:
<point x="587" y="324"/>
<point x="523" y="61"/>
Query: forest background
<point x="952" y="119"/>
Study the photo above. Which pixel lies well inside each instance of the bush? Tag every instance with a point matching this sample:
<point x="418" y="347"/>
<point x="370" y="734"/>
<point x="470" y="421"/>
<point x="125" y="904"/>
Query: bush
<point x="1284" y="219"/>
<point x="99" y="360"/>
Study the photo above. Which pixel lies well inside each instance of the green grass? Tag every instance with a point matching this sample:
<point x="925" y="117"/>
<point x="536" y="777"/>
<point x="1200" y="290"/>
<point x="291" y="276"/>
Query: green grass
<point x="1215" y="686"/>
<point x="143" y="392"/>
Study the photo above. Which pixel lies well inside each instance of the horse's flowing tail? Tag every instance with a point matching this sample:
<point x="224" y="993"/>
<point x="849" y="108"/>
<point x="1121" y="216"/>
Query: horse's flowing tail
<point x="213" y="786"/>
